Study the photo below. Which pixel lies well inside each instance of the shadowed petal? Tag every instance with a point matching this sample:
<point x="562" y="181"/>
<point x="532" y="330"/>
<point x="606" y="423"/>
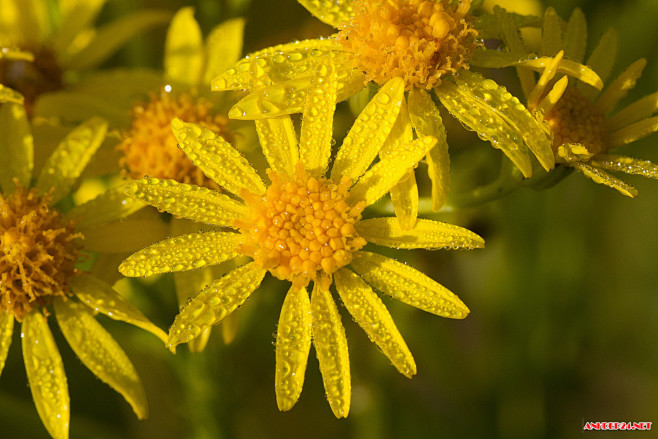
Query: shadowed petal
<point x="223" y="47"/>
<point x="279" y="142"/>
<point x="16" y="147"/>
<point x="183" y="61"/>
<point x="601" y="177"/>
<point x="6" y="331"/>
<point x="109" y="206"/>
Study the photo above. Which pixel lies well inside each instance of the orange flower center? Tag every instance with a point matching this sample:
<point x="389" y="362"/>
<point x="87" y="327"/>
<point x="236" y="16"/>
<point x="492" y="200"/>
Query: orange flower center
<point x="574" y="119"/>
<point x="302" y="229"/>
<point x="150" y="148"/>
<point x="419" y="41"/>
<point x="38" y="252"/>
<point x="32" y="78"/>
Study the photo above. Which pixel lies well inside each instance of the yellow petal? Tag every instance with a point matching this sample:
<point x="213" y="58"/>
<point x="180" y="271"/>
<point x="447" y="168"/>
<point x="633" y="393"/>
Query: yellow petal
<point x="75" y="18"/>
<point x="545" y="78"/>
<point x="488" y="25"/>
<point x="214" y="303"/>
<point x="369" y="132"/>
<point x="45" y="373"/>
<point x="34" y="21"/>
<point x="102" y="355"/>
<point x="427" y="234"/>
<point x="188" y="201"/>
<point x="183" y="61"/>
<point x="70" y="157"/>
<point x="279" y="142"/>
<point x="371" y="314"/>
<point x="126" y="236"/>
<point x="332" y="12"/>
<point x="188" y="285"/>
<point x="15" y="54"/>
<point x="602" y="59"/>
<point x="6" y="331"/>
<point x="551" y="36"/>
<point x="182" y="253"/>
<point x="627" y="165"/>
<point x="601" y="177"/>
<point x="102" y="298"/>
<point x="553" y="96"/>
<point x="636" y="111"/>
<point x="408" y="285"/>
<point x="331" y="348"/>
<point x="404" y="196"/>
<point x="426" y="120"/>
<point x="110" y="206"/>
<point x="9" y="95"/>
<point x="16" y="147"/>
<point x="509" y="31"/>
<point x="633" y="132"/>
<point x="217" y="158"/>
<point x="389" y="170"/>
<point x="566" y="67"/>
<point x="230" y="326"/>
<point x="317" y="120"/>
<point x="575" y="36"/>
<point x="491" y="111"/>
<point x="293" y="342"/>
<point x="223" y="47"/>
<point x="275" y="100"/>
<point x="620" y="86"/>
<point x="110" y="37"/>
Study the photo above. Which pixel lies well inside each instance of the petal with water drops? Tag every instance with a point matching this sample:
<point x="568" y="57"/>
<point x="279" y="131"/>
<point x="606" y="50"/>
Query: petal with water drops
<point x="408" y="285"/>
<point x="371" y="314"/>
<point x="601" y="177"/>
<point x="627" y="165"/>
<point x="620" y="87"/>
<point x="109" y="206"/>
<point x="331" y="348"/>
<point x="427" y="234"/>
<point x="214" y="303"/>
<point x="6" y="331"/>
<point x="45" y="373"/>
<point x="102" y="355"/>
<point x="293" y="342"/>
<point x="279" y="142"/>
<point x="332" y="12"/>
<point x="16" y="147"/>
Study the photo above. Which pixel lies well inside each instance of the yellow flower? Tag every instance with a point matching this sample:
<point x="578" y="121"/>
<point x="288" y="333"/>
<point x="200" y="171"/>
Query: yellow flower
<point x="39" y="249"/>
<point x="148" y="147"/>
<point x="428" y="45"/>
<point x="306" y="226"/>
<point x="62" y="39"/>
<point x="583" y="122"/>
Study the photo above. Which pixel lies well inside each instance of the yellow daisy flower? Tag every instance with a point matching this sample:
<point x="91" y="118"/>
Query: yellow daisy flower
<point x="306" y="226"/>
<point x="40" y="247"/>
<point x="147" y="146"/>
<point x="61" y="37"/>
<point x="428" y="44"/>
<point x="582" y="121"/>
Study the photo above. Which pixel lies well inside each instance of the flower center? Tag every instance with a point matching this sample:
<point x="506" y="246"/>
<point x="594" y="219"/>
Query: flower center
<point x="419" y="41"/>
<point x="302" y="229"/>
<point x="150" y="148"/>
<point x="32" y="78"/>
<point x="38" y="252"/>
<point x="574" y="119"/>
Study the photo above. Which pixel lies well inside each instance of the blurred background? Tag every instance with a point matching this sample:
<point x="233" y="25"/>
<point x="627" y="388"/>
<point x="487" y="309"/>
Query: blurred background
<point x="564" y="303"/>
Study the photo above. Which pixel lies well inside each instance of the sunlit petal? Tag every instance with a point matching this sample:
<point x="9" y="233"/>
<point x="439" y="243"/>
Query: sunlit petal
<point x="279" y="142"/>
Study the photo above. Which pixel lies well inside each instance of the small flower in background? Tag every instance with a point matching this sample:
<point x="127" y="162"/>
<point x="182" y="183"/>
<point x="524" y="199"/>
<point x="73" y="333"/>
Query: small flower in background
<point x="428" y="44"/>
<point x="40" y="248"/>
<point x="304" y="227"/>
<point x="582" y="121"/>
<point x="62" y="40"/>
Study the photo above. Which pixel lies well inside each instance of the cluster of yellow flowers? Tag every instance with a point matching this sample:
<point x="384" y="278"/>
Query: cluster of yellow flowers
<point x="183" y="149"/>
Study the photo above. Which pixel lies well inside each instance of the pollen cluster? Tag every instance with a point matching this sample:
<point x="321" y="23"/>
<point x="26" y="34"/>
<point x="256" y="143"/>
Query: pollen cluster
<point x="302" y="229"/>
<point x="574" y="119"/>
<point x="32" y="78"/>
<point x="150" y="148"/>
<point x="417" y="40"/>
<point x="38" y="252"/>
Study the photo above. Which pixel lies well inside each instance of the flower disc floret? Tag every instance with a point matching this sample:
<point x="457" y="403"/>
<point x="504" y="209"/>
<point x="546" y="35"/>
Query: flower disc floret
<point x="574" y="119"/>
<point x="150" y="148"/>
<point x="419" y="41"/>
<point x="38" y="252"/>
<point x="302" y="229"/>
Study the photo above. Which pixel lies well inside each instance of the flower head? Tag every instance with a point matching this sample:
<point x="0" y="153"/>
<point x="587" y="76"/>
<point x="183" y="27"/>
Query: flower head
<point x="61" y="41"/>
<point x="582" y="122"/>
<point x="40" y="247"/>
<point x="305" y="226"/>
<point x="428" y="45"/>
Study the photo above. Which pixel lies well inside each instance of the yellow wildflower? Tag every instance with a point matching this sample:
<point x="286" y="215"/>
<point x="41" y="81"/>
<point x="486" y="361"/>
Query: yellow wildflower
<point x="428" y="44"/>
<point x="583" y="122"/>
<point x="62" y="41"/>
<point x="39" y="249"/>
<point x="306" y="226"/>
